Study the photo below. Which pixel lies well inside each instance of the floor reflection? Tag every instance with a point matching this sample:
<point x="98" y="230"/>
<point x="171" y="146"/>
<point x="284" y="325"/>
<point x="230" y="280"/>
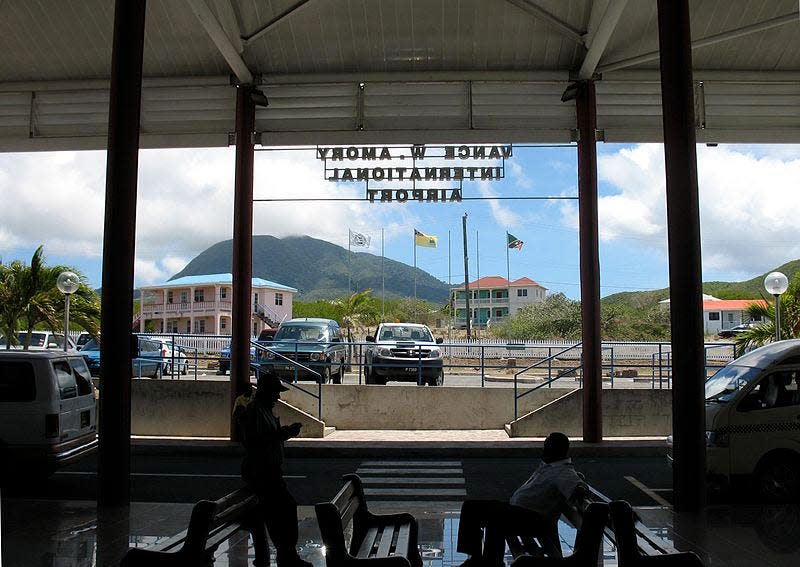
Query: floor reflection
<point x="50" y="533"/>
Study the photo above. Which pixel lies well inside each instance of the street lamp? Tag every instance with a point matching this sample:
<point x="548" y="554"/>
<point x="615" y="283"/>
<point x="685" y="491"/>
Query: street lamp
<point x="776" y="283"/>
<point x="67" y="283"/>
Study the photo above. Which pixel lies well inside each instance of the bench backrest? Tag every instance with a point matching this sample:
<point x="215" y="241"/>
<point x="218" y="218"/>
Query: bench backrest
<point x="208" y="516"/>
<point x="333" y="517"/>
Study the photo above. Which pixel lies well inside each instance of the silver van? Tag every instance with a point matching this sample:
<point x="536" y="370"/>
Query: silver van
<point x="753" y="421"/>
<point x="48" y="410"/>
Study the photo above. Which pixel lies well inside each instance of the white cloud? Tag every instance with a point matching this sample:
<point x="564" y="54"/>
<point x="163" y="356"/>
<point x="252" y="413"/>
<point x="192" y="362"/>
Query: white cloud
<point x="748" y="204"/>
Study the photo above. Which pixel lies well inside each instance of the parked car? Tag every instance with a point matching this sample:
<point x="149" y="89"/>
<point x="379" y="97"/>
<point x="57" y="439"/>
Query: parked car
<point x="406" y="352"/>
<point x="313" y="343"/>
<point x="174" y="358"/>
<point x="733" y="331"/>
<point x="147" y="363"/>
<point x="48" y="411"/>
<point x="40" y="340"/>
<point x="225" y="359"/>
<point x="752" y="406"/>
<point x="82" y="339"/>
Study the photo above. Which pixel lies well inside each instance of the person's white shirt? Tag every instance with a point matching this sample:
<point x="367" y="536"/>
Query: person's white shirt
<point x="548" y="489"/>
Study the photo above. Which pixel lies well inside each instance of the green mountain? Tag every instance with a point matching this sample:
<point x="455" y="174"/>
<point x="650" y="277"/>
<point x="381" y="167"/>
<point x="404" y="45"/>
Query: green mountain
<point x="749" y="289"/>
<point x="319" y="269"/>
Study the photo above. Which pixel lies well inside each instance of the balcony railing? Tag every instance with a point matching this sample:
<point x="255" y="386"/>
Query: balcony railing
<point x="185" y="308"/>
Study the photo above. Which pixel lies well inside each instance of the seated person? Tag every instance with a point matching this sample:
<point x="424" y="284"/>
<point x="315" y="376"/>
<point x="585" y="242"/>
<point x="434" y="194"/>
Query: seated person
<point x="533" y="509"/>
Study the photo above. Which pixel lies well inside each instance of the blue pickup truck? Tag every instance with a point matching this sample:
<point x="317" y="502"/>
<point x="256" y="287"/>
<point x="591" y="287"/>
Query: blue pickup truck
<point x="264" y="338"/>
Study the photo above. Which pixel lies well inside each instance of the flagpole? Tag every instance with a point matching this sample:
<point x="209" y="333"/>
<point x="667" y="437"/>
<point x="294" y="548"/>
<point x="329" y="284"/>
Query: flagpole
<point x="450" y="298"/>
<point x="415" y="275"/>
<point x="478" y="284"/>
<point x="508" y="277"/>
<point x="383" y="282"/>
<point x="349" y="260"/>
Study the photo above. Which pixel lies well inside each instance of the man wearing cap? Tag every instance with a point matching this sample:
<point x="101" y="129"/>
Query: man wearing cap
<point x="262" y="468"/>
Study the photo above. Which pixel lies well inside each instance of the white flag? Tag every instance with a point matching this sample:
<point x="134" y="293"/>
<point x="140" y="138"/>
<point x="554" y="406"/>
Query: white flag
<point x="358" y="239"/>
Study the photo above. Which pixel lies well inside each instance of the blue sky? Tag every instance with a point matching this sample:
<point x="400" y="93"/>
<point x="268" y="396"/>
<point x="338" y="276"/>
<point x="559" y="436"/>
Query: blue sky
<point x="748" y="197"/>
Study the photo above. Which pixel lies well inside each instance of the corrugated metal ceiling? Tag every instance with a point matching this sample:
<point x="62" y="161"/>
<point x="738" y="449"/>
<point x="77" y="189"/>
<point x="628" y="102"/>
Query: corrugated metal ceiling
<point x="358" y="71"/>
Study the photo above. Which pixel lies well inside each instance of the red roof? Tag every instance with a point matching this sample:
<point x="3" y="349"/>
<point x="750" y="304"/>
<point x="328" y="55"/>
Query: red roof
<point x="499" y="281"/>
<point x="730" y="304"/>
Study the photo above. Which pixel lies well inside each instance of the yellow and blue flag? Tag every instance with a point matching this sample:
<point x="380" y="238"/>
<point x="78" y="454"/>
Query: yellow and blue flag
<point x="425" y="240"/>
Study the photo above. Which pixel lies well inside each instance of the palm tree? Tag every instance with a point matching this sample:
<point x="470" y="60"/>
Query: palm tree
<point x="765" y="311"/>
<point x="355" y="310"/>
<point x="29" y="297"/>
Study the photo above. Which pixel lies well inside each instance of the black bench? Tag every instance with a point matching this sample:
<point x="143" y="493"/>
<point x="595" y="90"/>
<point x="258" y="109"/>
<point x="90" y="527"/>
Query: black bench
<point x="588" y="542"/>
<point x="388" y="540"/>
<point x="211" y="523"/>
<point x="638" y="547"/>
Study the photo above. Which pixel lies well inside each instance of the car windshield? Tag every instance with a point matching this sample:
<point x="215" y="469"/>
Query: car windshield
<point x="302" y="333"/>
<point x="725" y="384"/>
<point x="91" y="344"/>
<point x="405" y="333"/>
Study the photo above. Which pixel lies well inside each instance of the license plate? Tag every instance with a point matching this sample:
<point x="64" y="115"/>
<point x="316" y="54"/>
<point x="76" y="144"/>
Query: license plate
<point x="287" y="368"/>
<point x="410" y="369"/>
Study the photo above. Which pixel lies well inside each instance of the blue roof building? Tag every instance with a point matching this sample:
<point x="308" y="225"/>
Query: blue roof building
<point x="203" y="305"/>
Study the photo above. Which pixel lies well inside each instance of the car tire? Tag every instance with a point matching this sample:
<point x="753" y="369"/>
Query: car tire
<point x="185" y="369"/>
<point x="325" y="374"/>
<point x="778" y="478"/>
<point x="159" y="373"/>
<point x="437" y="380"/>
<point x="337" y="378"/>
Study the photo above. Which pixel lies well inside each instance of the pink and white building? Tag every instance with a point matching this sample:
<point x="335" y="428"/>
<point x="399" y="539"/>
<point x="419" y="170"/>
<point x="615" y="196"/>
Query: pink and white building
<point x="203" y="305"/>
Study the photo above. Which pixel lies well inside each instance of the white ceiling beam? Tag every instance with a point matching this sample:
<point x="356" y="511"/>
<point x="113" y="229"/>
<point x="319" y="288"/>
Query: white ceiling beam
<point x="706" y="41"/>
<point x="291" y="10"/>
<point x="221" y="40"/>
<point x="600" y="36"/>
<point x="533" y="10"/>
<point x="229" y="20"/>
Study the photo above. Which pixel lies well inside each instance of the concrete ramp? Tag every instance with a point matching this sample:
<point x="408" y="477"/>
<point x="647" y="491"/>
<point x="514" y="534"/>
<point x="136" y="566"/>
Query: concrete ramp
<point x="626" y="413"/>
<point x="312" y="427"/>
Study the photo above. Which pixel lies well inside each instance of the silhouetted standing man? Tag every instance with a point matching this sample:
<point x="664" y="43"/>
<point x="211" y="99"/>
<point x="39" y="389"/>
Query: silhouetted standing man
<point x="262" y="469"/>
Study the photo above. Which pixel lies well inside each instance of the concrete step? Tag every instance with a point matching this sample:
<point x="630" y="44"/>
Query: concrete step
<point x="408" y="472"/>
<point x="410" y="463"/>
<point x="413" y="493"/>
<point x="410" y="481"/>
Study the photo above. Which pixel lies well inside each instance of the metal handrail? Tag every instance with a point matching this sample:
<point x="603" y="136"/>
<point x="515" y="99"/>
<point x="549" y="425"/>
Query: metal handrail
<point x="257" y="367"/>
<point x="547" y="382"/>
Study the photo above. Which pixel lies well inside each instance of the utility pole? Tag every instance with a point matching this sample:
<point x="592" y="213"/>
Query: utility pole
<point x="466" y="274"/>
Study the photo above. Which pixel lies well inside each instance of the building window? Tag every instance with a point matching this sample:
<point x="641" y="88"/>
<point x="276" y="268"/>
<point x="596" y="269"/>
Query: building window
<point x="730" y="318"/>
<point x="188" y="327"/>
<point x="255" y="298"/>
<point x="223" y="293"/>
<point x="713" y="316"/>
<point x="522" y="293"/>
<point x="498" y="313"/>
<point x="199" y="296"/>
<point x="169" y="296"/>
<point x="184" y="297"/>
<point x="278" y="299"/>
<point x="200" y="326"/>
<point x="223" y="324"/>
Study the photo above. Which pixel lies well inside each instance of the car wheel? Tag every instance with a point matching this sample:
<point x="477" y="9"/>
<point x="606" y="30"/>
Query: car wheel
<point x="337" y="378"/>
<point x="325" y="375"/>
<point x="778" y="478"/>
<point x="437" y="380"/>
<point x="367" y="373"/>
<point x="159" y="372"/>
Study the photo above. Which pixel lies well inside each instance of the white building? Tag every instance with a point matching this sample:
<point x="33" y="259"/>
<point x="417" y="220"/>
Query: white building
<point x="721" y="314"/>
<point x="203" y="305"/>
<point x="493" y="299"/>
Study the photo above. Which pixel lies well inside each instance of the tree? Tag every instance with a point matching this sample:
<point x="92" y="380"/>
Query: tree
<point x="556" y="316"/>
<point x="765" y="311"/>
<point x="29" y="297"/>
<point x="355" y="310"/>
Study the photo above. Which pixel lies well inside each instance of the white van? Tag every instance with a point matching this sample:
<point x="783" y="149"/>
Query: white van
<point x="48" y="410"/>
<point x="753" y="420"/>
